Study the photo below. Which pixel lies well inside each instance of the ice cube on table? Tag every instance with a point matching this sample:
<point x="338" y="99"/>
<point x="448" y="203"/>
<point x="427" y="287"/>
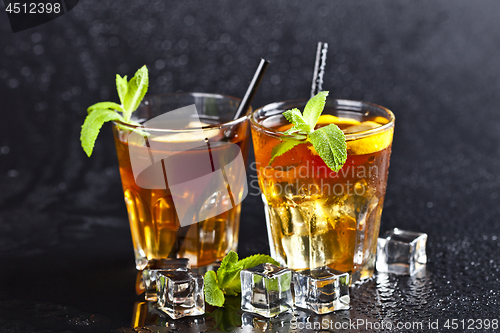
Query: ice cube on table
<point x="266" y="290"/>
<point x="153" y="267"/>
<point x="401" y="252"/>
<point x="180" y="293"/>
<point x="321" y="290"/>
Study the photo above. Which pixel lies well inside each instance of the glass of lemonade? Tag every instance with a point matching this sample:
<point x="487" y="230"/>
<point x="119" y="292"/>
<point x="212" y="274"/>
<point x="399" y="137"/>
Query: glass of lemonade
<point x="315" y="216"/>
<point x="154" y="220"/>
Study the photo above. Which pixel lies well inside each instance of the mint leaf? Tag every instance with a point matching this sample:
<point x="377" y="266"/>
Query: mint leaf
<point x="228" y="318"/>
<point x="136" y="89"/>
<point x="130" y="93"/>
<point x="282" y="148"/>
<point x="255" y="260"/>
<point x="92" y="126"/>
<point x="213" y="295"/>
<point x="104" y="106"/>
<point x="329" y="142"/>
<point x="227" y="270"/>
<point x="227" y="280"/>
<point x="299" y="124"/>
<point x="314" y="107"/>
<point x="121" y="87"/>
<point x="246" y="263"/>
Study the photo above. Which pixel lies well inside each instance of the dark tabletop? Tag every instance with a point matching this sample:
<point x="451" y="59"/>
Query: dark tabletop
<point x="65" y="248"/>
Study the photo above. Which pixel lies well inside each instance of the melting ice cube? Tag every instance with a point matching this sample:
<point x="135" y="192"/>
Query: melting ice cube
<point x="401" y="252"/>
<point x="266" y="290"/>
<point x="156" y="265"/>
<point x="180" y="293"/>
<point x="321" y="290"/>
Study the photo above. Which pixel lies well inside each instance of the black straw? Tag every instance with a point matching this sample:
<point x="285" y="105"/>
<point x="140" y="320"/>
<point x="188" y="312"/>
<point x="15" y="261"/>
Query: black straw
<point x="319" y="68"/>
<point x="252" y="89"/>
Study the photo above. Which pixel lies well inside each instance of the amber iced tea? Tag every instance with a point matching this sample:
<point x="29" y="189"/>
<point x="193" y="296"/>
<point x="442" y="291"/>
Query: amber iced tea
<point x="154" y="221"/>
<point x="315" y="216"/>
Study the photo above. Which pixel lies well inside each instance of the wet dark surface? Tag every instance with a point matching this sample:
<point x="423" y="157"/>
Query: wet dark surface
<point x="65" y="247"/>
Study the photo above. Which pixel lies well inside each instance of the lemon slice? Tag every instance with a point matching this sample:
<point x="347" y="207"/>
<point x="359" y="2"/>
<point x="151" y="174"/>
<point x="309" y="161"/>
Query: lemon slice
<point x="380" y="120"/>
<point x="370" y="144"/>
<point x="195" y="136"/>
<point x="364" y="126"/>
<point x="326" y="119"/>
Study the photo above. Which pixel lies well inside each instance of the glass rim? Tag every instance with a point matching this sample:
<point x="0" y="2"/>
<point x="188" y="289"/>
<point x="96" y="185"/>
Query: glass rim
<point x="347" y="102"/>
<point x="227" y="124"/>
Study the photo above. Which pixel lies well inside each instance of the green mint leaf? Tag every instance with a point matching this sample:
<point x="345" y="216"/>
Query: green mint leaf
<point x="227" y="270"/>
<point x="92" y="126"/>
<point x="255" y="260"/>
<point x="213" y="295"/>
<point x="246" y="263"/>
<point x="299" y="124"/>
<point x="227" y="280"/>
<point x="314" y="107"/>
<point x="291" y="130"/>
<point x="228" y="318"/>
<point x="130" y="93"/>
<point x="282" y="148"/>
<point x="104" y="106"/>
<point x="121" y="87"/>
<point x="329" y="142"/>
<point x="136" y="89"/>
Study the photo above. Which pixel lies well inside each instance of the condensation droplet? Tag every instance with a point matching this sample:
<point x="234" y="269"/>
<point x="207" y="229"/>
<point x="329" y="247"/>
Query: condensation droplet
<point x="13" y="83"/>
<point x="189" y="20"/>
<point x="36" y="37"/>
<point x="114" y="41"/>
<point x="25" y="71"/>
<point x="12" y="173"/>
<point x="160" y="64"/>
<point x="38" y="49"/>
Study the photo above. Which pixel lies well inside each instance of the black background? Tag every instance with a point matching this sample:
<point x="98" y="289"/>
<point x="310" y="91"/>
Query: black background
<point x="65" y="248"/>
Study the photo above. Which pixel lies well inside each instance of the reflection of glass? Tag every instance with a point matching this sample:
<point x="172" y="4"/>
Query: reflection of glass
<point x="224" y="319"/>
<point x="317" y="217"/>
<point x="145" y="315"/>
<point x="157" y="231"/>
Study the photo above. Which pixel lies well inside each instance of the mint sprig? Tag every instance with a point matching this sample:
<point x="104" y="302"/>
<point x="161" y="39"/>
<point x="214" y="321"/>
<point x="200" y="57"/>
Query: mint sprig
<point x="329" y="141"/>
<point x="130" y="93"/>
<point x="227" y="279"/>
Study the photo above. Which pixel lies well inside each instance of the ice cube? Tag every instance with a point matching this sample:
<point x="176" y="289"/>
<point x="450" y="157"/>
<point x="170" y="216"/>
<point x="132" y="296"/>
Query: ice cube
<point x="321" y="290"/>
<point x="266" y="290"/>
<point x="153" y="267"/>
<point x="180" y="293"/>
<point x="401" y="252"/>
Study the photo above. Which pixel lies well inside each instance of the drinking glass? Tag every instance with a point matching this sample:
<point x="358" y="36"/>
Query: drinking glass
<point x="315" y="216"/>
<point x="206" y="153"/>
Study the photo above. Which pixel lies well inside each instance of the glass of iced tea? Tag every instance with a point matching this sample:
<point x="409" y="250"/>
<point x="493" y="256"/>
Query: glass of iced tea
<point x="315" y="216"/>
<point x="153" y="210"/>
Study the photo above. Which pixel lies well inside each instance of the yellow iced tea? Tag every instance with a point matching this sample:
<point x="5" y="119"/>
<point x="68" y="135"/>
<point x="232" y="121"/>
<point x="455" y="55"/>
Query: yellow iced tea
<point x="154" y="223"/>
<point x="316" y="216"/>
